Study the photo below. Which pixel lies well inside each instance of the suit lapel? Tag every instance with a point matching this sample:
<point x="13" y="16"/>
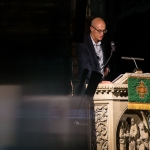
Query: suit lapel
<point x="91" y="47"/>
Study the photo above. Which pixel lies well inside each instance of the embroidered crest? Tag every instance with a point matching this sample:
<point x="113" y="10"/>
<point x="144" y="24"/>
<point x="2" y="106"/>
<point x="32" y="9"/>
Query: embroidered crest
<point x="142" y="89"/>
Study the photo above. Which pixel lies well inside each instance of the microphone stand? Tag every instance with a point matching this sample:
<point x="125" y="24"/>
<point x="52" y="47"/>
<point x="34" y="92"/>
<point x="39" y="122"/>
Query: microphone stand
<point x="112" y="50"/>
<point x="136" y="70"/>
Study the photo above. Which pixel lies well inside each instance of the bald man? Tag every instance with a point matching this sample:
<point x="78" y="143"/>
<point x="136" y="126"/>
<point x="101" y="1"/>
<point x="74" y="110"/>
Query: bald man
<point x="90" y="53"/>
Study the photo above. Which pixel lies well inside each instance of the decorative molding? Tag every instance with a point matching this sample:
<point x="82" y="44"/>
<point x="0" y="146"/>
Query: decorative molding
<point x="100" y="127"/>
<point x="111" y="91"/>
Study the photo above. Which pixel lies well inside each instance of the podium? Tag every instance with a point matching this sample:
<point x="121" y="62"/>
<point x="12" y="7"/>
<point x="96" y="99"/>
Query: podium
<point x="110" y="120"/>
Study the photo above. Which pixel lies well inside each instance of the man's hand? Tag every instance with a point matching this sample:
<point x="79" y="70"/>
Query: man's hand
<point x="106" y="71"/>
<point x="106" y="82"/>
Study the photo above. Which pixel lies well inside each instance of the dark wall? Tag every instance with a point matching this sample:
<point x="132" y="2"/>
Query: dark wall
<point x="31" y="33"/>
<point x="128" y="25"/>
<point x="34" y="41"/>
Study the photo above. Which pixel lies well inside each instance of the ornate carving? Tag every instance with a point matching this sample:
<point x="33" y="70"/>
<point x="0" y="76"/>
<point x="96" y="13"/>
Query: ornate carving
<point x="112" y="90"/>
<point x="100" y="130"/>
<point x="133" y="130"/>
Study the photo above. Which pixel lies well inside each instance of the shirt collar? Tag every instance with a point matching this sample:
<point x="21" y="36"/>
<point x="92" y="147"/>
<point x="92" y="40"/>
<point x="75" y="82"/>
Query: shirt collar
<point x="99" y="43"/>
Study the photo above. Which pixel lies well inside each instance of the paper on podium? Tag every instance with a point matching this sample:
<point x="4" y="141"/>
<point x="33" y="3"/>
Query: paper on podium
<point x="123" y="78"/>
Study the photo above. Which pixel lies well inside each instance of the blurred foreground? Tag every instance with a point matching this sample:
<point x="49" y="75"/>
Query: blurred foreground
<point x="31" y="121"/>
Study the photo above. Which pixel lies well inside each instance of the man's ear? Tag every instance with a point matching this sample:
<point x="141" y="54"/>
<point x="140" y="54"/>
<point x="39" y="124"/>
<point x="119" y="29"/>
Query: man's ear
<point x="91" y="29"/>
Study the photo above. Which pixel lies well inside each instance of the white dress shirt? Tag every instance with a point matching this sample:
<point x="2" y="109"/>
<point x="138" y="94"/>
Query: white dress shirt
<point x="99" y="53"/>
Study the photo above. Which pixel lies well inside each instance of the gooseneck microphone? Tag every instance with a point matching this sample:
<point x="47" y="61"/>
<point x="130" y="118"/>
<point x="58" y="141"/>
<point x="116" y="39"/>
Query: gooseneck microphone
<point x="113" y="47"/>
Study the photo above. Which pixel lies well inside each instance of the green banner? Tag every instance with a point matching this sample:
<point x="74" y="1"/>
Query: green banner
<point x="138" y="89"/>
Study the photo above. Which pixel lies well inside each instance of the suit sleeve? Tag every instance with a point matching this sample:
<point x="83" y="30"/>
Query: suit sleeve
<point x="84" y="60"/>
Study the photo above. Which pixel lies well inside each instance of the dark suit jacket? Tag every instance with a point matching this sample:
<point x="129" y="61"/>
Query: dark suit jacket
<point x="87" y="58"/>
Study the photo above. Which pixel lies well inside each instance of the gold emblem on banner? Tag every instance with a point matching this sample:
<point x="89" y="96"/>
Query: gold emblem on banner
<point x="142" y="89"/>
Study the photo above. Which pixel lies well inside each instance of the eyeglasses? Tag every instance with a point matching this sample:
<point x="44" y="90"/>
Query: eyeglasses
<point x="100" y="31"/>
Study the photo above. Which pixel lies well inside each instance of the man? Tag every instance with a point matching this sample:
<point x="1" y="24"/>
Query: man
<point x="133" y="135"/>
<point x="90" y="53"/>
<point x="122" y="135"/>
<point x="144" y="134"/>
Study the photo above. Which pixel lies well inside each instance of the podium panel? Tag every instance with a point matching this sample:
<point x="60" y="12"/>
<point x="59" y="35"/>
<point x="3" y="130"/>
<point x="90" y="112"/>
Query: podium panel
<point x="111" y="124"/>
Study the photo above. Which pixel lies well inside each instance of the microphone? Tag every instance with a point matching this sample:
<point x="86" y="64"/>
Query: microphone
<point x="132" y="58"/>
<point x="113" y="47"/>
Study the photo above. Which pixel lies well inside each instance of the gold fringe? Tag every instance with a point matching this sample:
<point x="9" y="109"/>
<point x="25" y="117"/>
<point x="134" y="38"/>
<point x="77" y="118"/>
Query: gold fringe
<point x="139" y="106"/>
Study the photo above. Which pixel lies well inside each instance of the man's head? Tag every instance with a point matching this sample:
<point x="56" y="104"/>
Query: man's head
<point x="98" y="29"/>
<point x="141" y="126"/>
<point x="132" y="121"/>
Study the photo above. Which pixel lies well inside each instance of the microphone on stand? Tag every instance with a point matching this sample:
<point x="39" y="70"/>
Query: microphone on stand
<point x="113" y="47"/>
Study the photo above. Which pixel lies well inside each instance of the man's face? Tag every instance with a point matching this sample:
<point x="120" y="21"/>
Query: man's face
<point x="141" y="126"/>
<point x="98" y="30"/>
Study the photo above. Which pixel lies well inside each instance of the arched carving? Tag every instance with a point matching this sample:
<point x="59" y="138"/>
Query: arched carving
<point x="133" y="130"/>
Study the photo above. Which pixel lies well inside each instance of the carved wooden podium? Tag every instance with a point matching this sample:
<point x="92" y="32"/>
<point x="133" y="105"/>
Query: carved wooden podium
<point x="107" y="109"/>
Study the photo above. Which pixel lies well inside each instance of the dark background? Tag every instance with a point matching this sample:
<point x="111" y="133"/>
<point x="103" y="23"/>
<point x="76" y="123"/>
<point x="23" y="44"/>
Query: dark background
<point x="36" y="37"/>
